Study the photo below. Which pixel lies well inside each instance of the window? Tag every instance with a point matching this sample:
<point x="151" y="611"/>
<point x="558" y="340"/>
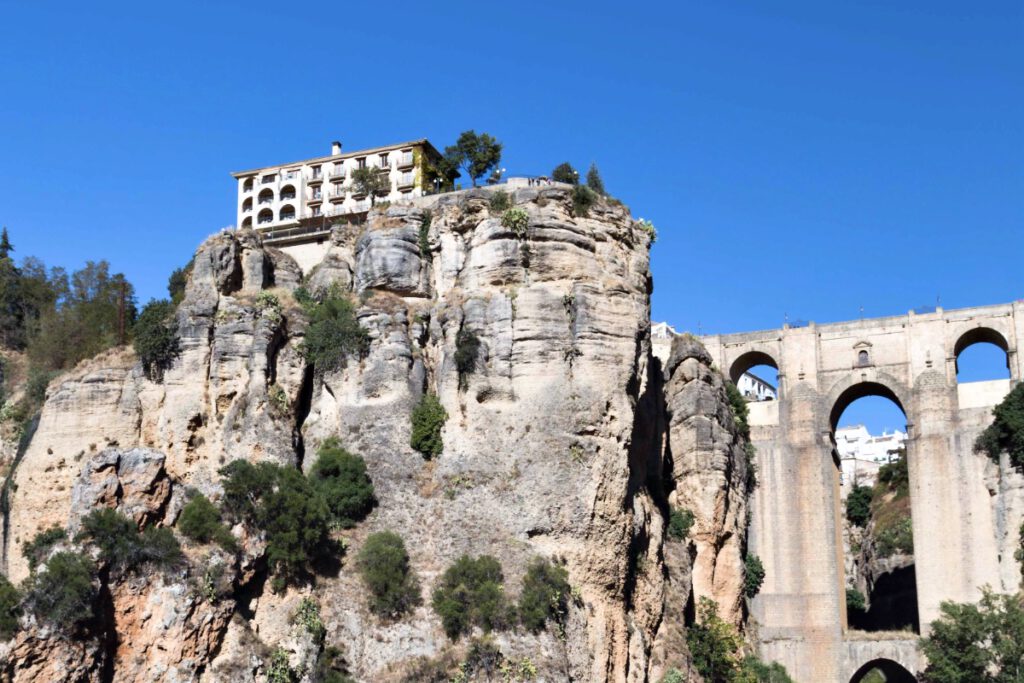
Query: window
<point x="316" y="172"/>
<point x="316" y="210"/>
<point x="862" y="358"/>
<point x="361" y="162"/>
<point x="316" y="192"/>
<point x="384" y="161"/>
<point x="267" y="179"/>
<point x="248" y="185"/>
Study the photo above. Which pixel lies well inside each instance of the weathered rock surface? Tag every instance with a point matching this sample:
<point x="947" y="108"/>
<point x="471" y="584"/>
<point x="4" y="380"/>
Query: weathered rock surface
<point x="556" y="445"/>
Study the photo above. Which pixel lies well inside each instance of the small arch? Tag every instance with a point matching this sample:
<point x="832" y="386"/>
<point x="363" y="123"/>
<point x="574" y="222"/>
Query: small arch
<point x="247" y="204"/>
<point x="894" y="672"/>
<point x="265" y="216"/>
<point x="287" y="192"/>
<point x="863" y="359"/>
<point x="749" y="360"/>
<point x="983" y="346"/>
<point x="287" y="212"/>
<point x="247" y="186"/>
<point x="247" y="222"/>
<point x="266" y="196"/>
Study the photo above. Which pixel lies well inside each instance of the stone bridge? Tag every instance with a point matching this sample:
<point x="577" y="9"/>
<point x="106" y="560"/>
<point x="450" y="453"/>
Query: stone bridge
<point x="965" y="510"/>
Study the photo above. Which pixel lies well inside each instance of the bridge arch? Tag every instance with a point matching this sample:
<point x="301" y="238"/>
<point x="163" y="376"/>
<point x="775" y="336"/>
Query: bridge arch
<point x="980" y="335"/>
<point x="893" y="671"/>
<point x="847" y="391"/>
<point x="747" y="360"/>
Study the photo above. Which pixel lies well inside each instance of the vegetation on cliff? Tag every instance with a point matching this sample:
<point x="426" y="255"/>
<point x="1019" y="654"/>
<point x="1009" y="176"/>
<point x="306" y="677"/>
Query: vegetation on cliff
<point x="384" y="566"/>
<point x="1006" y="433"/>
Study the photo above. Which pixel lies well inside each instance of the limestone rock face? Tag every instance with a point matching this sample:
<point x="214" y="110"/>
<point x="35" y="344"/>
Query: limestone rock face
<point x="564" y="440"/>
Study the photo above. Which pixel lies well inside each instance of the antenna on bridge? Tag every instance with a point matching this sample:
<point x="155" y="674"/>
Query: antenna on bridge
<point x="862" y="312"/>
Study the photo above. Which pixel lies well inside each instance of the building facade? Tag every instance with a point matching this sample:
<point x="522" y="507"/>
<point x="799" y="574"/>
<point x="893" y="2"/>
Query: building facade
<point x="284" y="196"/>
<point x="861" y="454"/>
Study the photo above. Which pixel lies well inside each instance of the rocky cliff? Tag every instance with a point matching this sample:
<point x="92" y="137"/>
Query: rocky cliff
<point x="568" y="441"/>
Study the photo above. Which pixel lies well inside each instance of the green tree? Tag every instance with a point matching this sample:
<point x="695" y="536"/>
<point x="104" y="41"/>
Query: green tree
<point x="383" y="564"/>
<point x="981" y="643"/>
<point x="297" y="524"/>
<point x="714" y="644"/>
<point x="680" y="521"/>
<point x="545" y="595"/>
<point x="858" y="505"/>
<point x="428" y="418"/>
<point x="467" y="348"/>
<point x="1006" y="433"/>
<point x="475" y="154"/>
<point x="36" y="549"/>
<point x="370" y="181"/>
<point x="178" y="280"/>
<point x="334" y="333"/>
<point x="471" y="593"/>
<point x="12" y="313"/>
<point x="341" y="480"/>
<point x="565" y="173"/>
<point x="10" y="604"/>
<point x="594" y="181"/>
<point x="245" y="485"/>
<point x="200" y="521"/>
<point x="753" y="575"/>
<point x="123" y="547"/>
<point x="156" y="337"/>
<point x="753" y="670"/>
<point x="61" y="595"/>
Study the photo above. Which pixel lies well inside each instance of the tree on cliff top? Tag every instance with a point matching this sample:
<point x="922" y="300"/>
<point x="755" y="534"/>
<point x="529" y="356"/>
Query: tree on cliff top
<point x="475" y="154"/>
<point x="565" y="173"/>
<point x="370" y="181"/>
<point x="1006" y="433"/>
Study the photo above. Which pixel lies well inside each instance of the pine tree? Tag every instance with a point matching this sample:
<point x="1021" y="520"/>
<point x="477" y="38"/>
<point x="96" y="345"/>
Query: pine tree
<point x="594" y="181"/>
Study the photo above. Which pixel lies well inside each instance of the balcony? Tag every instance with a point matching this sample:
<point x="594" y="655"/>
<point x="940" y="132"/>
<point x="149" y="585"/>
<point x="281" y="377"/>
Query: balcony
<point x="336" y="173"/>
<point x="406" y="160"/>
<point x="407" y="180"/>
<point x="337" y="194"/>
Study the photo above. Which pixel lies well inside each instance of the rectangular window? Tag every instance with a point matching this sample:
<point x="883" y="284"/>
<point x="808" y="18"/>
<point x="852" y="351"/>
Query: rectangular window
<point x="384" y="160"/>
<point x="316" y="172"/>
<point x="316" y="210"/>
<point x="361" y="162"/>
<point x="267" y="179"/>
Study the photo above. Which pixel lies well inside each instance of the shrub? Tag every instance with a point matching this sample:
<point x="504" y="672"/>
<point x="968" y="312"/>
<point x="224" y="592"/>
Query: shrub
<point x="500" y="201"/>
<point x="979" y="642"/>
<point x="383" y="564"/>
<point x="341" y="480"/>
<point x="895" y="537"/>
<point x="753" y="575"/>
<point x="155" y="338"/>
<point x="278" y="668"/>
<point x="855" y="601"/>
<point x="428" y="417"/>
<point x="200" y="521"/>
<point x="583" y="199"/>
<point x="297" y="524"/>
<point x="330" y="667"/>
<point x="565" y="173"/>
<point x="740" y="413"/>
<point x="470" y="593"/>
<point x="714" y="644"/>
<point x="673" y="675"/>
<point x="594" y="181"/>
<point x="680" y="521"/>
<point x="1006" y="433"/>
<point x="753" y="670"/>
<point x="894" y="475"/>
<point x="648" y="227"/>
<point x="244" y="485"/>
<point x="10" y="608"/>
<point x="61" y="594"/>
<point x="122" y="546"/>
<point x="467" y="347"/>
<point x="545" y="595"/>
<point x="36" y="550"/>
<point x="517" y="220"/>
<point x="269" y="306"/>
<point x="177" y="281"/>
<point x="308" y="616"/>
<point x="424" y="234"/>
<point x="858" y="505"/>
<point x="334" y="334"/>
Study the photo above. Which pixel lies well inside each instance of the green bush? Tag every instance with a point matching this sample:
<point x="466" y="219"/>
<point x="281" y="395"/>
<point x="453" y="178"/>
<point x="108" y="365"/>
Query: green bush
<point x="858" y="505"/>
<point x="753" y="670"/>
<point x="648" y="227"/>
<point x="680" y="521"/>
<point x="424" y="233"/>
<point x="855" y="601"/>
<point x="471" y="594"/>
<point x="155" y="338"/>
<point x="200" y="521"/>
<point x="334" y="334"/>
<point x="714" y="644"/>
<point x="308" y="616"/>
<point x="467" y="348"/>
<point x="384" y="567"/>
<point x="673" y="675"/>
<point x="894" y="475"/>
<point x="36" y="550"/>
<point x="123" y="547"/>
<point x="753" y="575"/>
<point x="565" y="173"/>
<point x="10" y="608"/>
<point x="740" y="412"/>
<point x="1006" y="433"/>
<point x="428" y="418"/>
<point x="517" y="220"/>
<point x="341" y="480"/>
<point x="177" y="281"/>
<point x="981" y="643"/>
<point x="297" y="524"/>
<point x="897" y="537"/>
<point x="244" y="485"/>
<point x="594" y="181"/>
<point x="545" y="595"/>
<point x="583" y="199"/>
<point x="330" y="667"/>
<point x="61" y="594"/>
<point x="500" y="201"/>
<point x="278" y="668"/>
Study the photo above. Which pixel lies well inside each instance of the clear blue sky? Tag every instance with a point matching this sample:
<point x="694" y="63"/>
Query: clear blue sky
<point x="802" y="158"/>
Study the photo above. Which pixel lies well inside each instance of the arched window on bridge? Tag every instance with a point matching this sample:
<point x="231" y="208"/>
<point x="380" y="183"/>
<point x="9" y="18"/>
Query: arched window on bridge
<point x="882" y="671"/>
<point x="869" y="427"/>
<point x="981" y="355"/>
<point x="756" y="375"/>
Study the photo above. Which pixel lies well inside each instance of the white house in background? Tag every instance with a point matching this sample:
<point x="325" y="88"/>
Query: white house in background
<point x="754" y="388"/>
<point x="861" y="454"/>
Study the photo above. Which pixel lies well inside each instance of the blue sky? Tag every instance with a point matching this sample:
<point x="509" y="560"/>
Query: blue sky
<point x="799" y="159"/>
